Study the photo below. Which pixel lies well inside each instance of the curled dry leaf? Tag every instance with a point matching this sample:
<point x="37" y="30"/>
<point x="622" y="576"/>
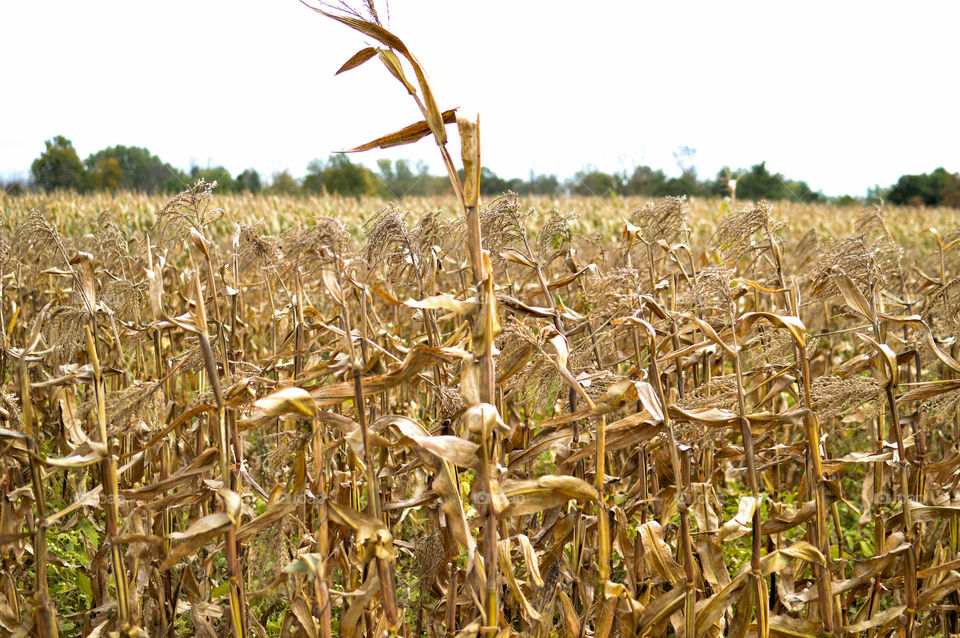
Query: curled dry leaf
<point x="289" y="400"/>
<point x="371" y="538"/>
<point x="527" y="496"/>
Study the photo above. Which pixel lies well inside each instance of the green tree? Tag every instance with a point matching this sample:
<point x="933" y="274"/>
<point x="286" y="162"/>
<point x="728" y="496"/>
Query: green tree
<point x="544" y="185"/>
<point x="492" y="184"/>
<point x="646" y="181"/>
<point x="248" y="180"/>
<point x="12" y="186"/>
<point x="686" y="184"/>
<point x="397" y="179"/>
<point x="847" y="201"/>
<point x="590" y="181"/>
<point x="428" y="184"/>
<point x="536" y="185"/>
<point x="142" y="170"/>
<point x="283" y="183"/>
<point x="217" y="174"/>
<point x="59" y="166"/>
<point x="339" y="175"/>
<point x="759" y="183"/>
<point x="925" y="189"/>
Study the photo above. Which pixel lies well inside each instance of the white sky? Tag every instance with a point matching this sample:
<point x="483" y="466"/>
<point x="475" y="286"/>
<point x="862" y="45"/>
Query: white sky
<point x="842" y="95"/>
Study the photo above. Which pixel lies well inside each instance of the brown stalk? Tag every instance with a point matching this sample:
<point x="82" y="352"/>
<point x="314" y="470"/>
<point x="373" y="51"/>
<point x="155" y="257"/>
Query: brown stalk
<point x="452" y="601"/>
<point x="690" y="598"/>
<point x="747" y="436"/>
<point x="298" y="342"/>
<point x="603" y="514"/>
<point x="815" y="469"/>
<point x="485" y="326"/>
<point x="227" y="475"/>
<point x="384" y="570"/>
<point x="46" y="621"/>
<point x="910" y="562"/>
<point x="110" y="483"/>
<point x="654" y="374"/>
<point x="485" y="322"/>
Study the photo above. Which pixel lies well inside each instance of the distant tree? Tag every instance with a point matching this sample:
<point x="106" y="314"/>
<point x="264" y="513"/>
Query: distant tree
<point x="950" y="193"/>
<point x="590" y="181"/>
<point x="248" y="181"/>
<point x="925" y="189"/>
<point x="428" y="184"/>
<point x="491" y="184"/>
<point x="107" y="174"/>
<point x="387" y="178"/>
<point x="544" y="185"/>
<point x="217" y="174"/>
<point x="847" y="201"/>
<point x="686" y="184"/>
<point x="646" y="181"/>
<point x="759" y="183"/>
<point x="339" y="175"/>
<point x="877" y="192"/>
<point x="59" y="166"/>
<point x="13" y="186"/>
<point x="283" y="183"/>
<point x="397" y="179"/>
<point x="140" y="169"/>
<point x="313" y="180"/>
<point x="536" y="185"/>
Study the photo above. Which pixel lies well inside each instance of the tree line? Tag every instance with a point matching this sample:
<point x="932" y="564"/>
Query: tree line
<point x="136" y="168"/>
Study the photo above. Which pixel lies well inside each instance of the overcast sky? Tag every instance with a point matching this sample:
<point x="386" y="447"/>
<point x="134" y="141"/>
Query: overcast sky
<point x="842" y="95"/>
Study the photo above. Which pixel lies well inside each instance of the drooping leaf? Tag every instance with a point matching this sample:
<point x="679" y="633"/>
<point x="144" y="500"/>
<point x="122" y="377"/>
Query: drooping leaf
<point x="406" y="135"/>
<point x="290" y="400"/>
<point x="854" y="298"/>
<point x="357" y="59"/>
<point x="506" y="568"/>
<point x="445" y="302"/>
<point x="791" y="324"/>
<point x="87" y="454"/>
<point x="891" y="369"/>
<point x="372" y="539"/>
<point x="527" y="496"/>
<point x="657" y="553"/>
<point x="417" y="359"/>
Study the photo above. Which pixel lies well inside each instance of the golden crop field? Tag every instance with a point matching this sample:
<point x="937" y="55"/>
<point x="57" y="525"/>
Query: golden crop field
<point x="284" y="416"/>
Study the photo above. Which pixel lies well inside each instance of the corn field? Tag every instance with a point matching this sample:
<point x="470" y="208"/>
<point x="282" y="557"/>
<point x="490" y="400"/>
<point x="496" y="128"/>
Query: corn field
<point x="270" y="416"/>
<point x="226" y="416"/>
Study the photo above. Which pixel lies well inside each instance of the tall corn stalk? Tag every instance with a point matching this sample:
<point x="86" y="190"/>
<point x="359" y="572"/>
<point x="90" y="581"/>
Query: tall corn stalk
<point x="45" y="620"/>
<point x="485" y="321"/>
<point x="227" y="469"/>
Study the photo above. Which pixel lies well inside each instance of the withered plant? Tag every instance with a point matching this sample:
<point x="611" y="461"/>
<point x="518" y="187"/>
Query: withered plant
<point x="645" y="418"/>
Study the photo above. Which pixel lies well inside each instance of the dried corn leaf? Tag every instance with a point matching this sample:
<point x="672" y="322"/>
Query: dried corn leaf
<point x="408" y="134"/>
<point x="527" y="496"/>
<point x="657" y="554"/>
<point x="357" y="59"/>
